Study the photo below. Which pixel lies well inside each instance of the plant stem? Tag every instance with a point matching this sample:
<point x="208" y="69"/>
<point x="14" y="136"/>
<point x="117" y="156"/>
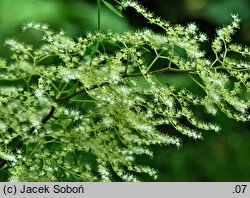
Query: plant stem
<point x="99" y="14"/>
<point x="65" y="98"/>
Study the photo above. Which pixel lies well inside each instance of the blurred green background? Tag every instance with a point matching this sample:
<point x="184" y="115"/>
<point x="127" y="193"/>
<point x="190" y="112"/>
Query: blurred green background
<point x="219" y="157"/>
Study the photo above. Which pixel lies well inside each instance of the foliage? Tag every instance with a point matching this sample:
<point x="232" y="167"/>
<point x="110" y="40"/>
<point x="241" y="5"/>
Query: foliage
<point x="79" y="110"/>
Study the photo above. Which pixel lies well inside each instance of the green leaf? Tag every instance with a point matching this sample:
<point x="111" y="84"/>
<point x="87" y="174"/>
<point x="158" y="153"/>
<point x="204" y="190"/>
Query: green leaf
<point x="112" y="8"/>
<point x="94" y="49"/>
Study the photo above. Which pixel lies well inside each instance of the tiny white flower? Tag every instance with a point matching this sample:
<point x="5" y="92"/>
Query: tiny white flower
<point x="44" y="27"/>
<point x="202" y="37"/>
<point x="149" y="114"/>
<point x="3" y="126"/>
<point x="236" y="18"/>
<point x="215" y="97"/>
<point x="235" y="24"/>
<point x="144" y="127"/>
<point x="169" y="103"/>
<point x="10" y="157"/>
<point x="37" y="26"/>
<point x="49" y="169"/>
<point x="108" y="121"/>
<point x="29" y="25"/>
<point x="35" y="122"/>
<point x="115" y="77"/>
<point x="49" y="39"/>
<point x="241" y="107"/>
<point x="61" y="32"/>
<point x="124" y="90"/>
<point x="192" y="28"/>
<point x="39" y="93"/>
<point x="67" y="75"/>
<point x="198" y="54"/>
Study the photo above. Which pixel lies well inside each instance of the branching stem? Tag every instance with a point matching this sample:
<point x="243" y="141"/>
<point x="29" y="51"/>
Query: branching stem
<point x="99" y="14"/>
<point x="65" y="98"/>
